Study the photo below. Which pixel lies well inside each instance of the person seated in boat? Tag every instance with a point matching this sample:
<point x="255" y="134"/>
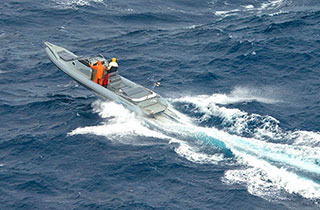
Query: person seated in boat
<point x="113" y="67"/>
<point x="99" y="75"/>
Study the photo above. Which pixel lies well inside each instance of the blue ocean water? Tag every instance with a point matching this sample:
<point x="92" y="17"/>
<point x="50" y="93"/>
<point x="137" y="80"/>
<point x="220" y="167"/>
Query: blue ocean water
<point x="243" y="76"/>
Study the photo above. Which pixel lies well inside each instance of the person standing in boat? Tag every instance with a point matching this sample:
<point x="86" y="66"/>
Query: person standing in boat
<point x="99" y="75"/>
<point x="113" y="67"/>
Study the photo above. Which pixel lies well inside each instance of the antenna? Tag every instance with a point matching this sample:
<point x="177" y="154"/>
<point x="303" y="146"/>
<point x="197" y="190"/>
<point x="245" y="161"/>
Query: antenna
<point x="156" y="84"/>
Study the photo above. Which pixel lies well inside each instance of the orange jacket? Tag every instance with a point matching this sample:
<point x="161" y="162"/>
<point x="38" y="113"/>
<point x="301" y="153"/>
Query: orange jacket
<point x="99" y="67"/>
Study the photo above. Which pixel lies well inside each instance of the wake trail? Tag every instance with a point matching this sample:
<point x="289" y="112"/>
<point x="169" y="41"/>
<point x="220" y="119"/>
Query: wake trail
<point x="268" y="169"/>
<point x="266" y="166"/>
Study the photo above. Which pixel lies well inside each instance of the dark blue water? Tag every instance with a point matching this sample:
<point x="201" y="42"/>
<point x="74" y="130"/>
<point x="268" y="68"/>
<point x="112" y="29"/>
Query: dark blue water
<point x="244" y="76"/>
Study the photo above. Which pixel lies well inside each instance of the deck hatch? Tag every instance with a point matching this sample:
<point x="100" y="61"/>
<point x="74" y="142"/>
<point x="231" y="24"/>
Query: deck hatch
<point x="66" y="56"/>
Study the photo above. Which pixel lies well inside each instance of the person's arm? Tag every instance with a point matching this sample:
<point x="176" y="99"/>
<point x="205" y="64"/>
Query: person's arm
<point x="90" y="65"/>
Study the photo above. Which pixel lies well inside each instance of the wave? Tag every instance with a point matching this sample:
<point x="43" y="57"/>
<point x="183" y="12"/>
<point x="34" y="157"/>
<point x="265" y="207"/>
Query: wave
<point x="67" y="4"/>
<point x="238" y="95"/>
<point x="270" y="182"/>
<point x="271" y="4"/>
<point x="193" y="154"/>
<point x="251" y="8"/>
<point x="269" y="169"/>
<point x="226" y="13"/>
<point x="2" y="34"/>
<point x="235" y="121"/>
<point x="120" y="122"/>
<point x="209" y="109"/>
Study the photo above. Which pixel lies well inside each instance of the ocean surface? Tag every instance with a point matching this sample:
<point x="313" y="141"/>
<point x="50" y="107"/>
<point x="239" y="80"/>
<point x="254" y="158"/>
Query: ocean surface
<point x="242" y="75"/>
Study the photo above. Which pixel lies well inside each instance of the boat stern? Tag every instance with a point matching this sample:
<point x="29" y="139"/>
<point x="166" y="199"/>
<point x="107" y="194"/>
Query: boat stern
<point x="153" y="106"/>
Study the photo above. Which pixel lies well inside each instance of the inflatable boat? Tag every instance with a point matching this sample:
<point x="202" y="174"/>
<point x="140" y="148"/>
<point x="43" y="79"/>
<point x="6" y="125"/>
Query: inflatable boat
<point x="134" y="97"/>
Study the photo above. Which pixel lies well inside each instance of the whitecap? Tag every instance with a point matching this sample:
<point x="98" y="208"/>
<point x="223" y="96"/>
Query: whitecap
<point x="191" y="27"/>
<point x="65" y="4"/>
<point x="226" y="13"/>
<point x="239" y="94"/>
<point x="249" y="7"/>
<point x="271" y="4"/>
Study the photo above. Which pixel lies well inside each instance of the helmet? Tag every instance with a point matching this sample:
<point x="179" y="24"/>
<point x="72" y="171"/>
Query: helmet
<point x="99" y="62"/>
<point x="114" y="59"/>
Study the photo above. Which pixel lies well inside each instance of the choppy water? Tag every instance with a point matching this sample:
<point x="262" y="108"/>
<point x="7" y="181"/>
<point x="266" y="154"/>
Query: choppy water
<point x="243" y="76"/>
